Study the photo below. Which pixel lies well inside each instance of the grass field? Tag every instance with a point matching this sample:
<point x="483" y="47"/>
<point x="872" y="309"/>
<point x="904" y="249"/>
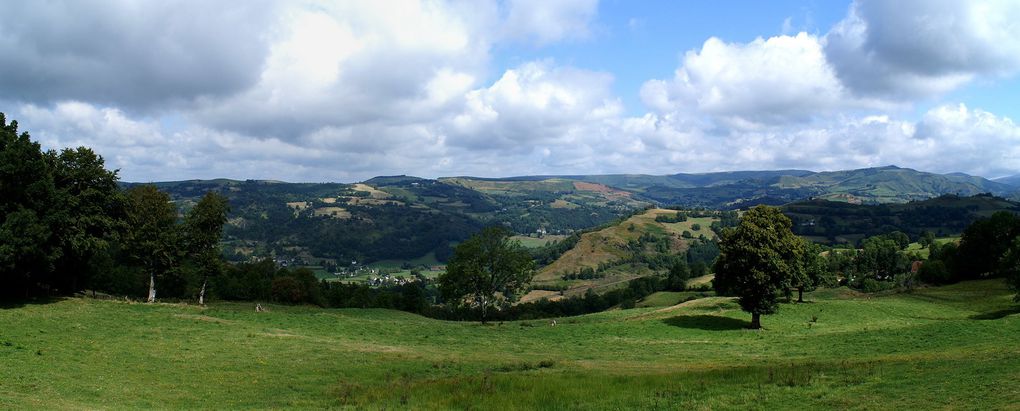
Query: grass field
<point x="955" y="347"/>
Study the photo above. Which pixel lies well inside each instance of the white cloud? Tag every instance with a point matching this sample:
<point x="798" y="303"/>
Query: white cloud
<point x="345" y="91"/>
<point x="778" y="80"/>
<point x="545" y="22"/>
<point x="921" y="48"/>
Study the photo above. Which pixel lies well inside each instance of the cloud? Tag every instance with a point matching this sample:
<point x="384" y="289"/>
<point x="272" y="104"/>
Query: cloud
<point x="778" y="80"/>
<point x="922" y="48"/>
<point x="535" y="104"/>
<point x="545" y="22"/>
<point x="137" y="55"/>
<point x="345" y="91"/>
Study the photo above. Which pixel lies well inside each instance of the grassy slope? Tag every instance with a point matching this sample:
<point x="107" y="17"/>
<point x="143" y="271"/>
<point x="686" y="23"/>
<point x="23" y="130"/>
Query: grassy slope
<point x="951" y="347"/>
<point x="609" y="244"/>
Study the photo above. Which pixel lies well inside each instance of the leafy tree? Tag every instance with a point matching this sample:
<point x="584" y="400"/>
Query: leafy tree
<point x="1010" y="266"/>
<point x="152" y="238"/>
<point x="88" y="211"/>
<point x="484" y="265"/>
<point x="984" y="243"/>
<point x="678" y="275"/>
<point x="880" y="257"/>
<point x="813" y="271"/>
<point x="27" y="251"/>
<point x="927" y="239"/>
<point x="203" y="229"/>
<point x="757" y="261"/>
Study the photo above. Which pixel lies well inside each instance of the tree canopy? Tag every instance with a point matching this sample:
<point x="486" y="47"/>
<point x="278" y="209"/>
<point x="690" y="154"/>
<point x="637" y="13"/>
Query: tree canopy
<point x="758" y="260"/>
<point x="485" y="267"/>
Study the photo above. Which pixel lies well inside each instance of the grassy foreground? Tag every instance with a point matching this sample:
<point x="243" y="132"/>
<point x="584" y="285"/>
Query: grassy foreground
<point x="955" y="347"/>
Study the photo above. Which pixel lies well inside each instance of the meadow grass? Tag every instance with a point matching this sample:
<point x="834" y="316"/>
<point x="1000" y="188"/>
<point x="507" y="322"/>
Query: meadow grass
<point x="950" y="347"/>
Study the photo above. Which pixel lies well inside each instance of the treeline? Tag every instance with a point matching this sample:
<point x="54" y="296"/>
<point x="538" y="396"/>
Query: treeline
<point x="990" y="247"/>
<point x="67" y="226"/>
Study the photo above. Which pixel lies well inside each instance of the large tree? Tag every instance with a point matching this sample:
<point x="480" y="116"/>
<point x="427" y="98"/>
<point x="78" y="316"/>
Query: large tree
<point x="88" y="211"/>
<point x="203" y="228"/>
<point x="152" y="238"/>
<point x="26" y="193"/>
<point x="757" y="261"/>
<point x="486" y="266"/>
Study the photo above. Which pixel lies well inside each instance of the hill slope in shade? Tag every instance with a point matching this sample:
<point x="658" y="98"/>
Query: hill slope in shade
<point x="837" y="222"/>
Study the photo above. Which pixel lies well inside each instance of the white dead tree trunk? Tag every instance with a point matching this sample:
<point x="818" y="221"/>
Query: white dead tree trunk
<point x="201" y="294"/>
<point x="152" y="288"/>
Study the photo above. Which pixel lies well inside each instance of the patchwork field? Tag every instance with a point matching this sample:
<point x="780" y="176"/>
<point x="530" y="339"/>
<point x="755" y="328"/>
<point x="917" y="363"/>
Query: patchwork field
<point x="955" y="347"/>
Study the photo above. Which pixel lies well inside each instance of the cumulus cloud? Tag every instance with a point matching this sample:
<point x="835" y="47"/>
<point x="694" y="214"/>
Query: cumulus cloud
<point x="920" y="48"/>
<point x="348" y="90"/>
<point x="778" y="80"/>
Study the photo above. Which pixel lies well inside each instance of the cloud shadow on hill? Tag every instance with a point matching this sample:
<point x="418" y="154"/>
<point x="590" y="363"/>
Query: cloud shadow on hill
<point x="707" y="322"/>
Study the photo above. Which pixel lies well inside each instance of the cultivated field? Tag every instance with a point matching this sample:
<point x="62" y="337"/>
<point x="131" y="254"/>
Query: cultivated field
<point x="955" y="347"/>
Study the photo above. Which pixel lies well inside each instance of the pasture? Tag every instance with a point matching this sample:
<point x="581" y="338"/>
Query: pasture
<point x="955" y="347"/>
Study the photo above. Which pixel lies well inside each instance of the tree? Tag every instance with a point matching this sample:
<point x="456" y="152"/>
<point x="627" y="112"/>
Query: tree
<point x="484" y="265"/>
<point x="27" y="249"/>
<point x="678" y="275"/>
<point x="88" y="211"/>
<point x="152" y="236"/>
<point x="757" y="260"/>
<point x="880" y="256"/>
<point x="203" y="228"/>
<point x="927" y="239"/>
<point x="813" y="271"/>
<point x="1010" y="267"/>
<point x="983" y="243"/>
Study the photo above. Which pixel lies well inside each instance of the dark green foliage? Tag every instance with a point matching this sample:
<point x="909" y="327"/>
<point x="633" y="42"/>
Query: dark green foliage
<point x="485" y="265"/>
<point x="203" y="229"/>
<point x="935" y="272"/>
<point x="984" y="243"/>
<point x="152" y="240"/>
<point x="1009" y="266"/>
<point x="842" y="222"/>
<point x="58" y="211"/>
<point x="757" y="261"/>
<point x="678" y="275"/>
<point x="880" y="258"/>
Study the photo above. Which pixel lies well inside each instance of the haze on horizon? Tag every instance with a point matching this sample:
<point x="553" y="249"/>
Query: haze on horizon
<point x="343" y="91"/>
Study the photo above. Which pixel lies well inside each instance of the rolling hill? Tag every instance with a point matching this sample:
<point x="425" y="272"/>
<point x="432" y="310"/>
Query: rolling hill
<point x="641" y="245"/>
<point x="740" y="189"/>
<point x="406" y="218"/>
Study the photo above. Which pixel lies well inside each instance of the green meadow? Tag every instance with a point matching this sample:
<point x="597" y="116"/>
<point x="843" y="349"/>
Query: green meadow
<point x="954" y="347"/>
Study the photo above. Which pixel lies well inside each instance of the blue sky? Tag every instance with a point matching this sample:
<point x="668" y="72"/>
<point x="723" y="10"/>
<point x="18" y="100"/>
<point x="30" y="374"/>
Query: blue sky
<point x="346" y="90"/>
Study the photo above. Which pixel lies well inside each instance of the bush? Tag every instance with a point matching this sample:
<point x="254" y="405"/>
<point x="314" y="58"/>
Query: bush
<point x="934" y="272"/>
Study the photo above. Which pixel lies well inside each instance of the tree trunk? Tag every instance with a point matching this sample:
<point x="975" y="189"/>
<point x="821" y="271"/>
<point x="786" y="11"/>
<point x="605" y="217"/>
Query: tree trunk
<point x="800" y="294"/>
<point x="755" y="321"/>
<point x="484" y="305"/>
<point x="152" y="288"/>
<point x="201" y="294"/>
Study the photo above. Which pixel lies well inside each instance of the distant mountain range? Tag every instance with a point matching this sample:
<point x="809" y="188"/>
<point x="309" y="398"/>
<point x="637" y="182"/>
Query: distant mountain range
<point x="738" y="189"/>
<point x="1013" y="180"/>
<point x="411" y="218"/>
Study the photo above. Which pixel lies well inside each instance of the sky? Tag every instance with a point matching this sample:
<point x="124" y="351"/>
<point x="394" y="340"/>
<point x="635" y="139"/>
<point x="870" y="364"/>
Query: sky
<point x="311" y="91"/>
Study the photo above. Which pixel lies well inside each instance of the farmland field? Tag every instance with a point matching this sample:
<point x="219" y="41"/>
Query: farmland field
<point x="954" y="347"/>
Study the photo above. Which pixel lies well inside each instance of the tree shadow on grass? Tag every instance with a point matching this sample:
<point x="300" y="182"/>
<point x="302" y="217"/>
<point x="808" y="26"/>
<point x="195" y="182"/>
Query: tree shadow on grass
<point x="995" y="315"/>
<point x="18" y="303"/>
<point x="707" y="322"/>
